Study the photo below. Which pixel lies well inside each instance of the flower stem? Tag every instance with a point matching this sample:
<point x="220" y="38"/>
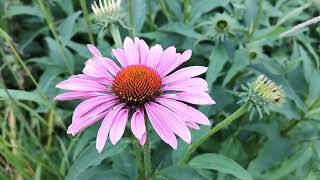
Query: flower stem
<point x="17" y="56"/>
<point x="140" y="162"/>
<point x="47" y="13"/>
<point x="87" y="17"/>
<point x="215" y="129"/>
<point x="147" y="158"/>
<point x="114" y="29"/>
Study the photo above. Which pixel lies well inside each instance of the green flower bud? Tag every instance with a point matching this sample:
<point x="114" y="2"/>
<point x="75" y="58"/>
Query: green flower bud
<point x="262" y="95"/>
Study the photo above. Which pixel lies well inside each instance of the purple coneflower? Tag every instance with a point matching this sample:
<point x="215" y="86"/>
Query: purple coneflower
<point x="142" y="85"/>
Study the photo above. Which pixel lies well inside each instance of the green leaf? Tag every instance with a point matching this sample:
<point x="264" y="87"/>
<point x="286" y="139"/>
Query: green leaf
<point x="22" y="95"/>
<point x="200" y="7"/>
<point x="180" y="28"/>
<point x="297" y="160"/>
<point x="217" y="60"/>
<point x="219" y="163"/>
<point x="178" y="173"/>
<point x="66" y="27"/>
<point x="91" y="157"/>
<point x="15" y="10"/>
<point x="101" y="173"/>
<point x="139" y="11"/>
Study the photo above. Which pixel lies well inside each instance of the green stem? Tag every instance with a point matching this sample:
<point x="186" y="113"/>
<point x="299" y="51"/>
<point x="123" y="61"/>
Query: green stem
<point x="137" y="151"/>
<point x="114" y="29"/>
<point x="47" y="13"/>
<point x="130" y="16"/>
<point x="215" y="129"/>
<point x="87" y="17"/>
<point x="257" y="19"/>
<point x="147" y="159"/>
<point x="17" y="56"/>
<point x="186" y="10"/>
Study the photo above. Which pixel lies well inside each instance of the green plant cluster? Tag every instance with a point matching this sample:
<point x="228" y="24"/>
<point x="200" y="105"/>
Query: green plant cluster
<point x="44" y="42"/>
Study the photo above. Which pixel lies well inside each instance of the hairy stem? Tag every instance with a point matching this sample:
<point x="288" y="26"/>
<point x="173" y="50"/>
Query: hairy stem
<point x="114" y="29"/>
<point x="147" y="159"/>
<point x="88" y="21"/>
<point x="228" y="120"/>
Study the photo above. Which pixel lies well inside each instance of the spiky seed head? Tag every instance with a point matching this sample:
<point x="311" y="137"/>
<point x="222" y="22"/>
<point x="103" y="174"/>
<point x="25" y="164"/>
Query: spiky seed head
<point x="262" y="95"/>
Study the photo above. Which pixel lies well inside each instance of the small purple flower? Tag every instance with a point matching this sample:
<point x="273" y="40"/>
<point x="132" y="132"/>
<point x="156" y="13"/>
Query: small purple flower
<point x="144" y="83"/>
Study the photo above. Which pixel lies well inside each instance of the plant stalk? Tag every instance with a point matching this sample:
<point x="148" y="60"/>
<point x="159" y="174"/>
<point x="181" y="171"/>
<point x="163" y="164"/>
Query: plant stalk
<point x="88" y="21"/>
<point x="228" y="120"/>
<point x="114" y="29"/>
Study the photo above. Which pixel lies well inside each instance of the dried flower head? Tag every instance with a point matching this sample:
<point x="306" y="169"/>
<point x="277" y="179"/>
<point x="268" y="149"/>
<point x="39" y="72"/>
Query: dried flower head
<point x="108" y="12"/>
<point x="262" y="95"/>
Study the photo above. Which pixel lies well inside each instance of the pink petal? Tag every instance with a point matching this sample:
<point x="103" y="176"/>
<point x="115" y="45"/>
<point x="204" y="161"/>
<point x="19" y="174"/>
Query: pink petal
<point x="121" y="57"/>
<point x="193" y="97"/>
<point x="94" y="68"/>
<point x="112" y="67"/>
<point x="172" y="121"/>
<point x="184" y="73"/>
<point x="102" y="80"/>
<point x="143" y="51"/>
<point x="154" y="56"/>
<point x="186" y="55"/>
<point x="118" y="126"/>
<point x="192" y="125"/>
<point x="75" y="95"/>
<point x="160" y="127"/>
<point x="75" y="128"/>
<point x="131" y="52"/>
<point x="190" y="84"/>
<point x="94" y="51"/>
<point x="105" y="127"/>
<point x="90" y="117"/>
<point x="167" y="58"/>
<point x="90" y="104"/>
<point x="81" y="85"/>
<point x="185" y="111"/>
<point x="138" y="126"/>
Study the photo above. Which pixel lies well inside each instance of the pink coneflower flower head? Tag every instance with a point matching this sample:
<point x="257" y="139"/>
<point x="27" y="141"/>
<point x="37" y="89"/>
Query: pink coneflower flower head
<point x="142" y="84"/>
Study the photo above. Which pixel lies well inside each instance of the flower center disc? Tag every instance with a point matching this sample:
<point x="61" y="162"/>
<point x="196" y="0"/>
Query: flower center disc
<point x="136" y="84"/>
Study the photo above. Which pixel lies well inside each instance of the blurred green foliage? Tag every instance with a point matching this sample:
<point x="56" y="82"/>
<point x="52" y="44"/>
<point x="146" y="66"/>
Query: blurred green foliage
<point x="236" y="39"/>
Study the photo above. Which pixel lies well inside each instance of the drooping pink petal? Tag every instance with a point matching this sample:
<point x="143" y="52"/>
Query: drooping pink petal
<point x="154" y="56"/>
<point x="172" y="121"/>
<point x="143" y="51"/>
<point x="187" y="112"/>
<point x="193" y="97"/>
<point x="189" y="84"/>
<point x="102" y="80"/>
<point x="112" y="67"/>
<point x="192" y="125"/>
<point x="105" y="127"/>
<point x="94" y="51"/>
<point x="75" y="95"/>
<point x="184" y="73"/>
<point x="186" y="55"/>
<point x="75" y="128"/>
<point x="121" y="57"/>
<point x="138" y="126"/>
<point x="95" y="69"/>
<point x="90" y="104"/>
<point x="160" y="127"/>
<point x="118" y="126"/>
<point x="90" y="117"/>
<point x="131" y="52"/>
<point x="167" y="58"/>
<point x="81" y="85"/>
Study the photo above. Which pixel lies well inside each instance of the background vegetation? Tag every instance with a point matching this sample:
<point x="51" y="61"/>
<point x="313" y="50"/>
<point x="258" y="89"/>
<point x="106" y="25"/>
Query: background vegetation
<point x="43" y="42"/>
